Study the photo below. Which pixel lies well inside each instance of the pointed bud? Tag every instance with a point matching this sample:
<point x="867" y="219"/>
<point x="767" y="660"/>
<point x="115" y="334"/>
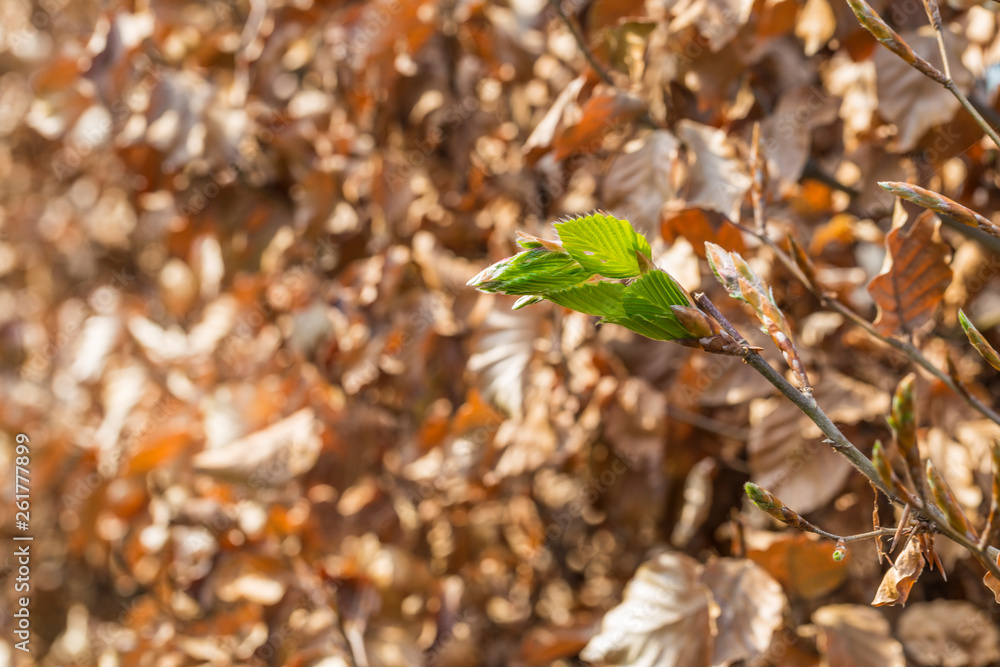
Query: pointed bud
<point x="694" y="321"/>
<point x="982" y="346"/>
<point x="645" y="263"/>
<point x="768" y="502"/>
<point x="947" y="503"/>
<point x="904" y="425"/>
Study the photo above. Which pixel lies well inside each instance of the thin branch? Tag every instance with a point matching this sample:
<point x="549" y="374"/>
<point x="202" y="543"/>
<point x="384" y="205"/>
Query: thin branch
<point x="804" y="402"/>
<point x="986" y="557"/>
<point x="581" y="43"/>
<point x="907" y="348"/>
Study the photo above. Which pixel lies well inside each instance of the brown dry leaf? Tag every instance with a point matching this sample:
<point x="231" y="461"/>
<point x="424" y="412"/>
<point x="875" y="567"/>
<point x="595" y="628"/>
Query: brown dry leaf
<point x="950" y="633"/>
<point x="897" y="582"/>
<point x="541" y="138"/>
<point x="853" y="635"/>
<point x="543" y="645"/>
<point x="912" y="101"/>
<point x="269" y="457"/>
<point x="914" y="277"/>
<point x="639" y="182"/>
<point x="698" y="225"/>
<point x="992" y="583"/>
<point x="718" y="176"/>
<point x="665" y="618"/>
<point x="802" y="563"/>
<point x="786" y="450"/>
<point x="600" y="115"/>
<point x="786" y="134"/>
<point x="718" y="21"/>
<point x="751" y="608"/>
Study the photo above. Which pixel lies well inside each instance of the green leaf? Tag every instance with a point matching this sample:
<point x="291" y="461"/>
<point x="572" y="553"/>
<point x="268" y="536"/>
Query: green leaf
<point x="603" y="299"/>
<point x="603" y="244"/>
<point x="650" y="298"/>
<point x="535" y="271"/>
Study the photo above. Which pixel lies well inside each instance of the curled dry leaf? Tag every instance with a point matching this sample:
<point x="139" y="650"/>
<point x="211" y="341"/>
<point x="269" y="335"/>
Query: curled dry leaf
<point x="951" y="633"/>
<point x="914" y="277"/>
<point x="855" y="636"/>
<point x="992" y="583"/>
<point x="897" y="582"/>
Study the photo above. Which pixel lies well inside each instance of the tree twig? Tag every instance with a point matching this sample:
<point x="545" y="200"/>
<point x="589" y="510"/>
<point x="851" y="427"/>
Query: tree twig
<point x="581" y="43"/>
<point x="907" y="348"/>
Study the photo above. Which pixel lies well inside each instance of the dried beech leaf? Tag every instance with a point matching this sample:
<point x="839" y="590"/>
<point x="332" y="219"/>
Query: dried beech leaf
<point x="699" y="225"/>
<point x="801" y="563"/>
<point x="638" y="183"/>
<point x="269" y="457"/>
<point x="718" y="176"/>
<point x="992" y="583"/>
<point x="952" y="633"/>
<point x="897" y="582"/>
<point x="664" y="620"/>
<point x="912" y="101"/>
<point x="601" y="114"/>
<point x="751" y="606"/>
<point x="914" y="277"/>
<point x="853" y="635"/>
<point x="786" y="451"/>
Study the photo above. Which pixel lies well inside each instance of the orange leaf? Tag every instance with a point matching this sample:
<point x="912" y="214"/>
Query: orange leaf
<point x="698" y="225"/>
<point x="914" y="278"/>
<point x="992" y="583"/>
<point x="802" y="565"/>
<point x="600" y="115"/>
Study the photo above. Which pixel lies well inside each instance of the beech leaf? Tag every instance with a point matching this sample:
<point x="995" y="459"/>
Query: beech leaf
<point x="913" y="279"/>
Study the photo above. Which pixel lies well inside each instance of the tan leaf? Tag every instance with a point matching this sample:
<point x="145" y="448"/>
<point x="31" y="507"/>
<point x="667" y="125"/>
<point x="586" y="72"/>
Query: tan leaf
<point x="665" y="618"/>
<point x="639" y="182"/>
<point x="951" y="633"/>
<point x="269" y="457"/>
<point x="718" y="176"/>
<point x="897" y="582"/>
<point x="912" y="101"/>
<point x="914" y="277"/>
<point x="751" y="606"/>
<point x="852" y="635"/>
<point x="786" y="133"/>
